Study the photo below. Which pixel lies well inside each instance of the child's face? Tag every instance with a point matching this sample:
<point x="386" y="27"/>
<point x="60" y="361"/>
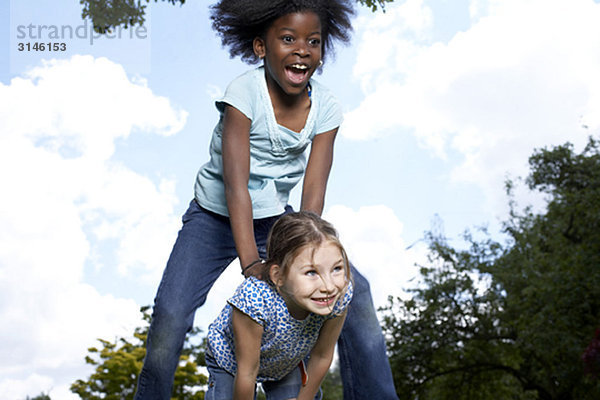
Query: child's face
<point x="291" y="50"/>
<point x="315" y="281"/>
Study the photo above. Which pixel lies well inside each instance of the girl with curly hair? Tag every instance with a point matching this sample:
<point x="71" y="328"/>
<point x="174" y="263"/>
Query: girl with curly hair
<point x="268" y="118"/>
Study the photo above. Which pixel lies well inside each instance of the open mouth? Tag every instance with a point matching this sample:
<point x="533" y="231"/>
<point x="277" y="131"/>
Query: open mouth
<point x="297" y="73"/>
<point x="324" y="301"/>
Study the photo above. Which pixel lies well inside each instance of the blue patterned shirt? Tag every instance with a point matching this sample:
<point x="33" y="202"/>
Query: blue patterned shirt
<point x="285" y="340"/>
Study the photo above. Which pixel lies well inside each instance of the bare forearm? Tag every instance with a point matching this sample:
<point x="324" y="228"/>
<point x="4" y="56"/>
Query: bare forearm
<point x="317" y="172"/>
<point x="247" y="336"/>
<point x="316" y="369"/>
<point x="315" y="185"/>
<point x="236" y="170"/>
<point x="321" y="356"/>
<point x="313" y="200"/>
<point x="243" y="388"/>
<point x="240" y="216"/>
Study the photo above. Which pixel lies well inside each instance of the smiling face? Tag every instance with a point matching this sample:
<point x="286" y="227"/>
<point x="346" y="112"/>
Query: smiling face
<point x="291" y="50"/>
<point x="314" y="281"/>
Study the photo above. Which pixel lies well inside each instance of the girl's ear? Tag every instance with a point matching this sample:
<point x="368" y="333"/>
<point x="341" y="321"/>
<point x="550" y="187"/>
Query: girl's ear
<point x="259" y="47"/>
<point x="276" y="275"/>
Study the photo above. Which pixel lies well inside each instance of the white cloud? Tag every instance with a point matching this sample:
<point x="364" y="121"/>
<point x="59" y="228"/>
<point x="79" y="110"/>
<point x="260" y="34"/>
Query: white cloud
<point x="372" y="236"/>
<point x="14" y="389"/>
<point x="222" y="290"/>
<point x="63" y="197"/>
<point x="380" y="46"/>
<point x="214" y="92"/>
<point x="523" y="76"/>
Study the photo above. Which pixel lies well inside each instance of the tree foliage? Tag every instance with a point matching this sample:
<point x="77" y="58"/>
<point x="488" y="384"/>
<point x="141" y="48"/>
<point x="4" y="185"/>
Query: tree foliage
<point x="118" y="365"/>
<point x="332" y="384"/>
<point x="107" y="15"/>
<point x="591" y="357"/>
<point x="517" y="320"/>
<point x="41" y="396"/>
<point x="374" y="5"/>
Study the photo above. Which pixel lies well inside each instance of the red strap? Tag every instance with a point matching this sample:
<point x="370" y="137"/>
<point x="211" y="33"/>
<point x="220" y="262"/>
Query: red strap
<point x="303" y="373"/>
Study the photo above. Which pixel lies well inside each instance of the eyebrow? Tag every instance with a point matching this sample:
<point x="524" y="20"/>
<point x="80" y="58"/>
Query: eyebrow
<point x="294" y="31"/>
<point x="313" y="265"/>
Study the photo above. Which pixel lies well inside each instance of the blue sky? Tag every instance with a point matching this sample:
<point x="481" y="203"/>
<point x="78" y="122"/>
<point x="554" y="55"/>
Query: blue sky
<point x="100" y="144"/>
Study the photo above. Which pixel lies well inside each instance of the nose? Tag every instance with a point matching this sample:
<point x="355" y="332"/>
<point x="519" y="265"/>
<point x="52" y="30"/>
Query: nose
<point x="327" y="284"/>
<point x="302" y="48"/>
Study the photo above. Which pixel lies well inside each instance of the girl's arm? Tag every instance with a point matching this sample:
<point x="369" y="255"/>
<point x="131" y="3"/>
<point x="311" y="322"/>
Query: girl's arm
<point x="317" y="172"/>
<point x="236" y="171"/>
<point x="247" y="335"/>
<point x="321" y="357"/>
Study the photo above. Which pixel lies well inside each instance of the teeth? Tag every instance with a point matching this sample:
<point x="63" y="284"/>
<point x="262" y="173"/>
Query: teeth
<point x="299" y="66"/>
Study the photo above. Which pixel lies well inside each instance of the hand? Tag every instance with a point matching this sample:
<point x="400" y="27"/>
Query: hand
<point x="257" y="270"/>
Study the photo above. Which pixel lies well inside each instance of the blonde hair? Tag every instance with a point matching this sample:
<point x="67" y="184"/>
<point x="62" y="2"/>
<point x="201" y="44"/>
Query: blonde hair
<point x="293" y="232"/>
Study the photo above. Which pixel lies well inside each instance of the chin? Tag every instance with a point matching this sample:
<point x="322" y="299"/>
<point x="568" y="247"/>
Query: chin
<point x="295" y="91"/>
<point x="323" y="310"/>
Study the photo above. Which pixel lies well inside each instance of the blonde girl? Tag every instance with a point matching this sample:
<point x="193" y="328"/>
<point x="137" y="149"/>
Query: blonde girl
<point x="267" y="330"/>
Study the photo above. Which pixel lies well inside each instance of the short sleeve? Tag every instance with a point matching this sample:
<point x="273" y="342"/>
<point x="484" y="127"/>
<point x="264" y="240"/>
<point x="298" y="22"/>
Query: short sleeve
<point x="239" y="95"/>
<point x="251" y="298"/>
<point x="330" y="112"/>
<point x="342" y="303"/>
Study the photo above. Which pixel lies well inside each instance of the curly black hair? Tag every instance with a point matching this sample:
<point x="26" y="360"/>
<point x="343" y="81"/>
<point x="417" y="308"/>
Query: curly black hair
<point x="239" y="22"/>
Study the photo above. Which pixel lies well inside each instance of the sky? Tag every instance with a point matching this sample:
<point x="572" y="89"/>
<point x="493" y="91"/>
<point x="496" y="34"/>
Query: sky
<point x="100" y="141"/>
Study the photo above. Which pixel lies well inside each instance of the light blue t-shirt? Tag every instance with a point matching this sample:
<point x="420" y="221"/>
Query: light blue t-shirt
<point x="285" y="341"/>
<point x="277" y="154"/>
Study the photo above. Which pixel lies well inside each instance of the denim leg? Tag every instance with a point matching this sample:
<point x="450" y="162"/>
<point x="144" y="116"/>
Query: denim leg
<point x="364" y="365"/>
<point x="203" y="249"/>
<point x="286" y="388"/>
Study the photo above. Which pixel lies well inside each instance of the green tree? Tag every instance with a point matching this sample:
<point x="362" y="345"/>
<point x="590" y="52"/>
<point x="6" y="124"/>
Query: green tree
<point x="118" y="366"/>
<point x="511" y="321"/>
<point x="332" y="384"/>
<point x="591" y="357"/>
<point x="107" y="15"/>
<point x="41" y="396"/>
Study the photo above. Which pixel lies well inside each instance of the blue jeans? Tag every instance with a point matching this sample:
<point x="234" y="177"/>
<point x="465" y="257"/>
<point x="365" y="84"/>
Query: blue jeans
<point x="220" y="384"/>
<point x="204" y="248"/>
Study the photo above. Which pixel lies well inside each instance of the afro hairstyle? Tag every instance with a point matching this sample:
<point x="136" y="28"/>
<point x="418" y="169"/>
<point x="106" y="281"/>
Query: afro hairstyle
<point x="239" y="22"/>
